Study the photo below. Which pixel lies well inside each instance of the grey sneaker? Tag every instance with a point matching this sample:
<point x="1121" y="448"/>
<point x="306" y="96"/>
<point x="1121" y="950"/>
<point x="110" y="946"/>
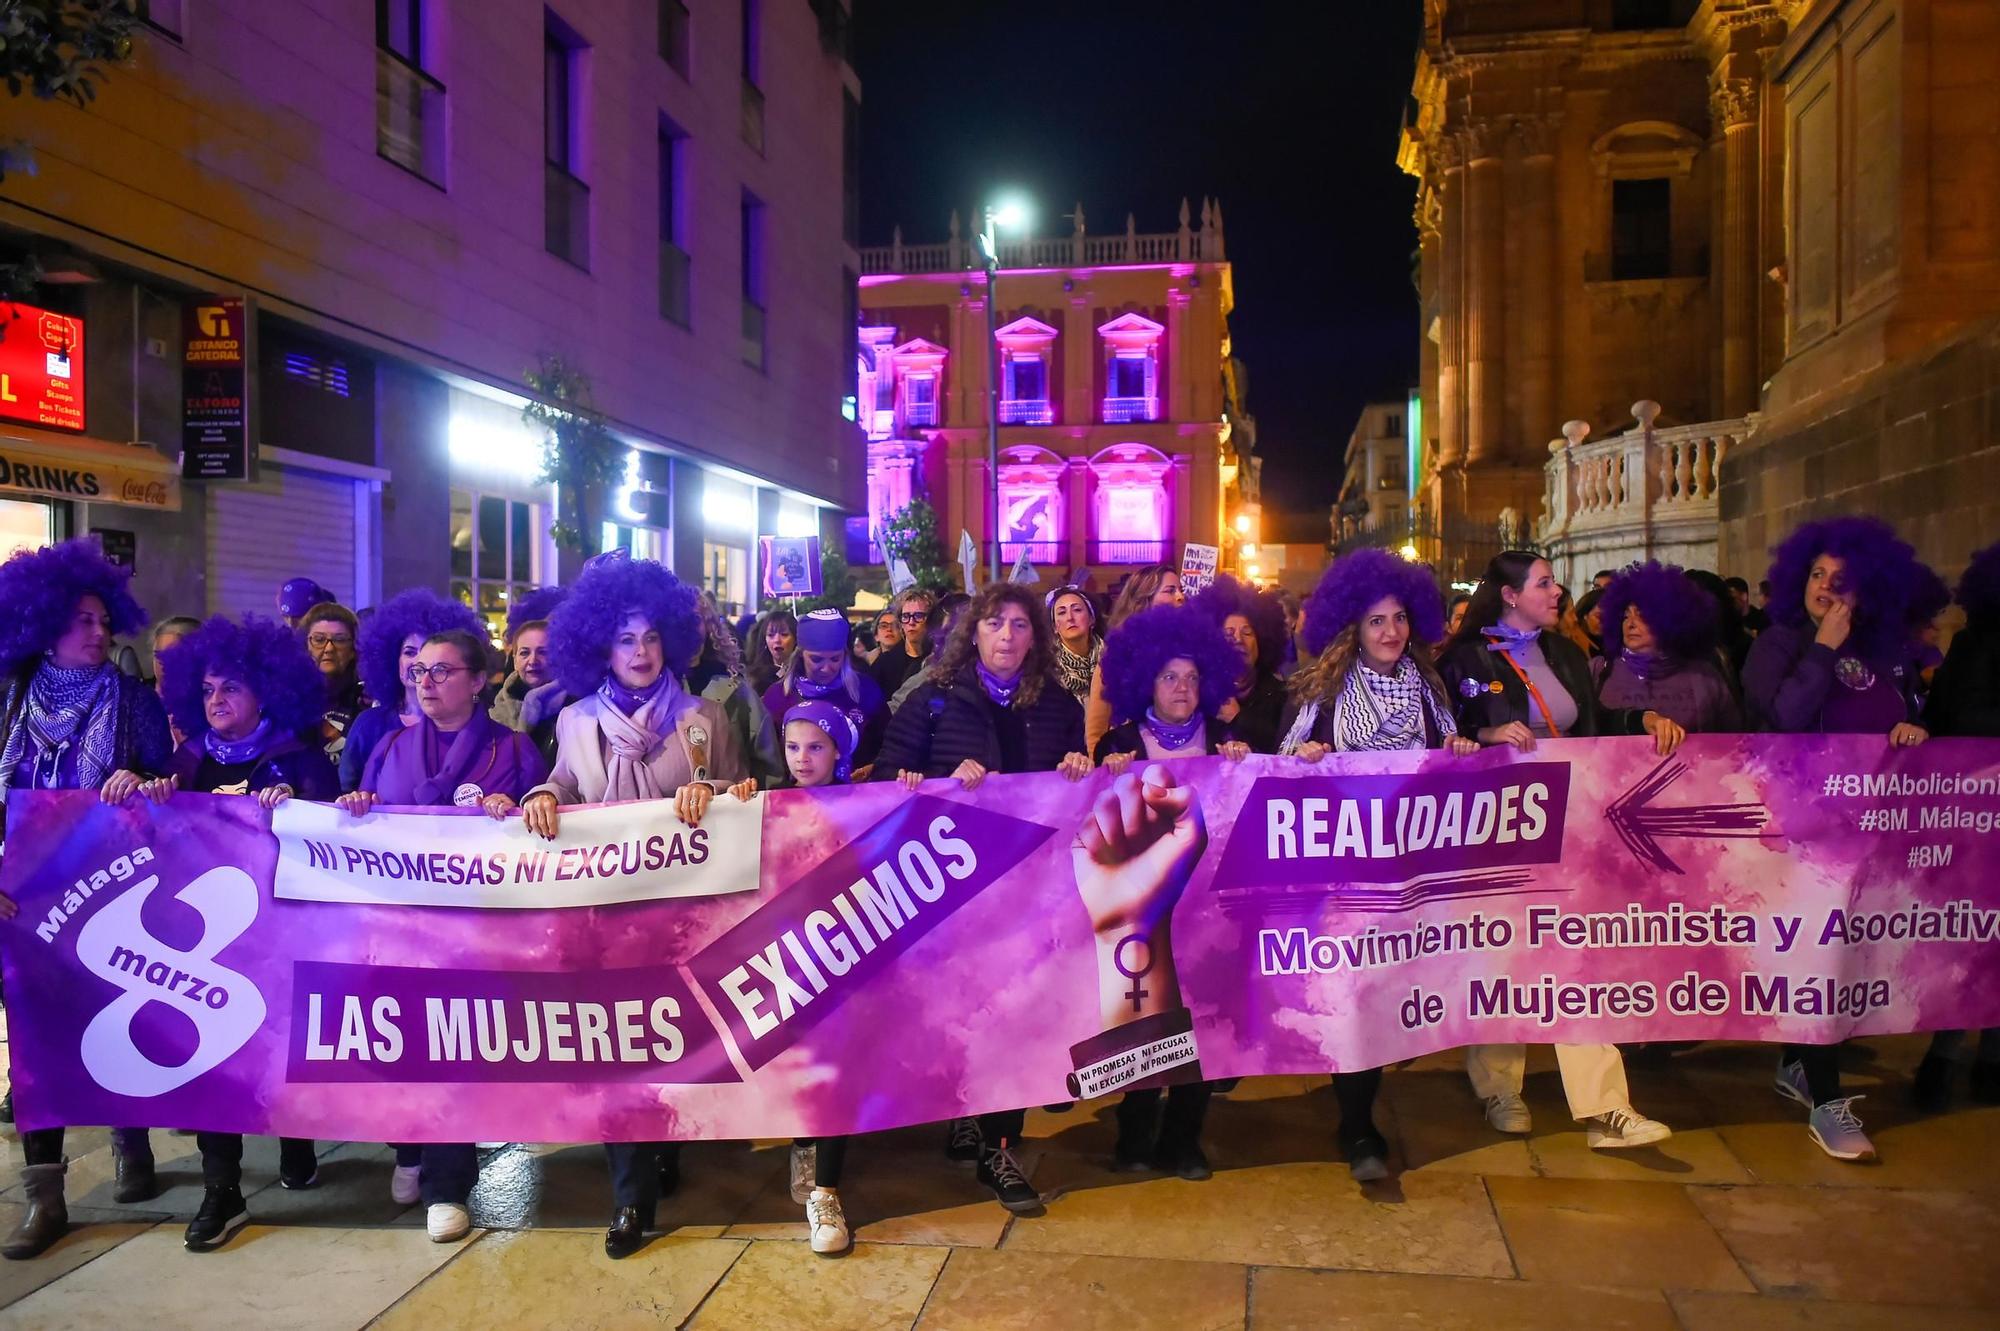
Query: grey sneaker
<point x="1623" y="1128"/>
<point x="1508" y="1113"/>
<point x="1837" y="1131"/>
<point x="805" y="1161"/>
<point x="1791" y="1083"/>
<point x="828" y="1223"/>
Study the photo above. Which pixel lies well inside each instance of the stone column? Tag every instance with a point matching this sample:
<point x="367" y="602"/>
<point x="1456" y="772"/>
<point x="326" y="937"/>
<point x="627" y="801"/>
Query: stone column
<point x="1451" y="301"/>
<point x="1428" y="218"/>
<point x="1733" y="109"/>
<point x="1485" y="294"/>
<point x="1076" y="510"/>
<point x="1537" y="368"/>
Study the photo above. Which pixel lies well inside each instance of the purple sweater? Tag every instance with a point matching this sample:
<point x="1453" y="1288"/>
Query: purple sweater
<point x="1793" y="685"/>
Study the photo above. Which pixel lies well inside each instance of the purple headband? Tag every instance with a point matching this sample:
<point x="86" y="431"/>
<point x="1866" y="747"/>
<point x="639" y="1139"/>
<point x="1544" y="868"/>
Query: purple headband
<point x="837" y="725"/>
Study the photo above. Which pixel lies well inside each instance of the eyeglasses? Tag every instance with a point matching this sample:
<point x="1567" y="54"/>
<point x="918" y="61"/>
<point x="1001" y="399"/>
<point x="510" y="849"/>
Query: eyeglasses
<point x="318" y="641"/>
<point x="914" y="616"/>
<point x="439" y="673"/>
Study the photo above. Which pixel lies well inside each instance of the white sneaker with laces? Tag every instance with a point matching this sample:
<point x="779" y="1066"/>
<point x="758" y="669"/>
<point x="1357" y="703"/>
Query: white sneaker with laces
<point x="1508" y="1113"/>
<point x="829" y="1223"/>
<point x="1835" y="1130"/>
<point x="447" y="1222"/>
<point x="805" y="1162"/>
<point x="405" y="1185"/>
<point x="1623" y="1128"/>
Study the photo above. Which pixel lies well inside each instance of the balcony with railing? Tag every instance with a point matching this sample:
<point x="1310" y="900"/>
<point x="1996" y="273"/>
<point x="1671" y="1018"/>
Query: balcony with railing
<point x="1648" y="493"/>
<point x="1039" y="552"/>
<point x="1026" y="412"/>
<point x="1191" y="243"/>
<point x="566" y="215"/>
<point x="1120" y="410"/>
<point x="1129" y="552"/>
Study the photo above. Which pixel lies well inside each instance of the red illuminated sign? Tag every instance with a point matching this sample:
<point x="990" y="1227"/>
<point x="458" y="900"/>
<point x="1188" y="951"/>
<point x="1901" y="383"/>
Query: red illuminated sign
<point x="41" y="367"/>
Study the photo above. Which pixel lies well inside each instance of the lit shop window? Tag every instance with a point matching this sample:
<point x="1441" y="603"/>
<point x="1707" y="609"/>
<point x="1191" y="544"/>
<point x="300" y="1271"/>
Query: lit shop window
<point x="493" y="553"/>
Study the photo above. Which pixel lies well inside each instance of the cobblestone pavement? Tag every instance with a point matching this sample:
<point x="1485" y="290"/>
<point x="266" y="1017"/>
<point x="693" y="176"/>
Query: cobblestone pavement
<point x="1737" y="1221"/>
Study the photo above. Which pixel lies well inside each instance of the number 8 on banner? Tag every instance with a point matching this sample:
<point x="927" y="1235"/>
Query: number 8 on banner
<point x="223" y="1004"/>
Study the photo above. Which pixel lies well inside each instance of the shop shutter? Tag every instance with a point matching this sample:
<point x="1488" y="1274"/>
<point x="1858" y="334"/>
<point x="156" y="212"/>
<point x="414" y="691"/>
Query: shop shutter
<point x="291" y="523"/>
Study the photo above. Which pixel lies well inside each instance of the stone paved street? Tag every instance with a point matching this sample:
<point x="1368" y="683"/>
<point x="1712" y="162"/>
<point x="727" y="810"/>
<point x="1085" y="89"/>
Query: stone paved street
<point x="1736" y="1222"/>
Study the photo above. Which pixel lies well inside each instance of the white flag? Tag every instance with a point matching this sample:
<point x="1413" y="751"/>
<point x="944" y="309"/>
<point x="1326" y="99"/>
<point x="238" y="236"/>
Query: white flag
<point x="1024" y="572"/>
<point x="968" y="559"/>
<point x="900" y="577"/>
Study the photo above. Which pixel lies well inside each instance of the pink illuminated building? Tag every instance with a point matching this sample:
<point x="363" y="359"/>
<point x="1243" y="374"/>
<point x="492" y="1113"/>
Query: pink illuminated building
<point x="1121" y="435"/>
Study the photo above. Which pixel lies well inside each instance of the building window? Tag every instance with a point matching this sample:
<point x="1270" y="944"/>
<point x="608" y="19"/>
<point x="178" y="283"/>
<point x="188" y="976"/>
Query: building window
<point x="566" y="198"/>
<point x="163" y="16"/>
<point x="674" y="35"/>
<point x="920" y="399"/>
<point x="1392" y="425"/>
<point x="409" y="99"/>
<point x="674" y="263"/>
<point x="493" y="553"/>
<point x="1641" y="229"/>
<point x="639" y="542"/>
<point x="753" y="64"/>
<point x="1024" y="399"/>
<point x="1131" y="368"/>
<point x="725" y="575"/>
<point x="753" y="281"/>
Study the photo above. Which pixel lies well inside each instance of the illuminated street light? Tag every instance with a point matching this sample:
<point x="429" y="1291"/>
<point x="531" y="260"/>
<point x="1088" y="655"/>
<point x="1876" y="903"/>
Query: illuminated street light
<point x="1243" y="523"/>
<point x="1012" y="214"/>
<point x="1409" y="551"/>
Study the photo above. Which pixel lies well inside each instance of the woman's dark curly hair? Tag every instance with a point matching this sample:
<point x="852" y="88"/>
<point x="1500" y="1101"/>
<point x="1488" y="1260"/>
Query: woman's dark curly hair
<point x="1226" y="596"/>
<point x="1356" y="581"/>
<point x="1895" y="593"/>
<point x="961" y="649"/>
<point x="42" y="588"/>
<point x="263" y="654"/>
<point x="536" y="603"/>
<point x="1979" y="589"/>
<point x="583" y="627"/>
<point x="418" y="611"/>
<point x="1141" y="647"/>
<point x="757" y="656"/>
<point x="1682" y="616"/>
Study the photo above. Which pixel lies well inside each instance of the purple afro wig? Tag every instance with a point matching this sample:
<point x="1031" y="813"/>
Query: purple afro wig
<point x="583" y="626"/>
<point x="1140" y="648"/>
<point x="41" y="589"/>
<point x="1354" y="582"/>
<point x="420" y="611"/>
<point x="1226" y="596"/>
<point x="530" y="606"/>
<point x="1895" y="593"/>
<point x="1979" y="589"/>
<point x="261" y="652"/>
<point x="1685" y="620"/>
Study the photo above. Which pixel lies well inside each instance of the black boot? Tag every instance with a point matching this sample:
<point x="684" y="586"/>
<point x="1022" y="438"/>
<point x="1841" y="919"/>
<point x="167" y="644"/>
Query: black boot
<point x="1138" y="1116"/>
<point x="670" y="1169"/>
<point x="964" y="1144"/>
<point x="1367" y="1154"/>
<point x="1931" y="1088"/>
<point x="627" y="1233"/>
<point x="7" y="1106"/>
<point x="1986" y="1083"/>
<point x="1179" y="1151"/>
<point x="222" y="1213"/>
<point x="134" y="1180"/>
<point x="47" y="1216"/>
<point x="999" y="1171"/>
<point x="298" y="1164"/>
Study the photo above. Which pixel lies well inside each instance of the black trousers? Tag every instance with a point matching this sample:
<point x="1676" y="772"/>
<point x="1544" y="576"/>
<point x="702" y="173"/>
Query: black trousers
<point x="1003" y="1128"/>
<point x="222" y="1157"/>
<point x="635" y="1172"/>
<point x="1822" y="1063"/>
<point x="1187" y="1109"/>
<point x="44" y="1146"/>
<point x="1355" y="1092"/>
<point x="829" y="1158"/>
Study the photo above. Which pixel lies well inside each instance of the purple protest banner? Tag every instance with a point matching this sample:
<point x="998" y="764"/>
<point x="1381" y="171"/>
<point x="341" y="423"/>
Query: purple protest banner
<point x="904" y="958"/>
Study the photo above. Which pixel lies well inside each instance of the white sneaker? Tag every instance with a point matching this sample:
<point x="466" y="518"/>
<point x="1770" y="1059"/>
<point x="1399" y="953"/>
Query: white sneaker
<point x="829" y="1224"/>
<point x="447" y="1222"/>
<point x="805" y="1163"/>
<point x="1507" y="1113"/>
<point x="1623" y="1128"/>
<point x="404" y="1185"/>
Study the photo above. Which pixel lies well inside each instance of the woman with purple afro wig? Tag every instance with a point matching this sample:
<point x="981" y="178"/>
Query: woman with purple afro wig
<point x="620" y="641"/>
<point x="1254" y="623"/>
<point x="531" y="605"/>
<point x="390" y="641"/>
<point x="1847" y="599"/>
<point x="1367" y="684"/>
<point x="243" y="694"/>
<point x="70" y="719"/>
<point x="1965" y="700"/>
<point x="1660" y="632"/>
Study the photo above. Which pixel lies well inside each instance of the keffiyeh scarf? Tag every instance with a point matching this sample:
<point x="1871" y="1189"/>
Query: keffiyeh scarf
<point x="68" y="715"/>
<point x="1075" y="671"/>
<point x="1377" y="712"/>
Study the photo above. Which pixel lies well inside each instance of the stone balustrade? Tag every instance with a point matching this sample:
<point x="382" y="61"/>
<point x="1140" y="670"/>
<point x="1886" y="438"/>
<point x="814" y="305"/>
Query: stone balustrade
<point x="1648" y="493"/>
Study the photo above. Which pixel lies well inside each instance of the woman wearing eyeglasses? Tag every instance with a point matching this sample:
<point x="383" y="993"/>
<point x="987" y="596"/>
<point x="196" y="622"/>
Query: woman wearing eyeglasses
<point x="455" y="754"/>
<point x="390" y="641"/>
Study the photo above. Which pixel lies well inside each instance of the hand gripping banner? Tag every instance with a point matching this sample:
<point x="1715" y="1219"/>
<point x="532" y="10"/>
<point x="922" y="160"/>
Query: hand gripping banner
<point x="821" y="962"/>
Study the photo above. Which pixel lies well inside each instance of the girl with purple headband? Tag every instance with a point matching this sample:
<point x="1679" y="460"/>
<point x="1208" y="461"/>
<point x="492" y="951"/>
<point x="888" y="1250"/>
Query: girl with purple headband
<point x="1516" y="682"/>
<point x="1167" y="673"/>
<point x="1965" y="700"/>
<point x="71" y="720"/>
<point x="822" y="670"/>
<point x="1368" y="685"/>
<point x="1660" y="634"/>
<point x="821" y="743"/>
<point x="244" y="694"/>
<point x="390" y="641"/>
<point x="1847" y="599"/>
<point x="635" y="733"/>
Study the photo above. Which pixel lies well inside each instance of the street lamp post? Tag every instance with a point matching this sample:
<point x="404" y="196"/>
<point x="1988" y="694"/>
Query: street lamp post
<point x="1007" y="215"/>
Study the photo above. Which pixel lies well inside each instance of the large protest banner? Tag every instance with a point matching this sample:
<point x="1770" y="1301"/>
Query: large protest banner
<point x="840" y="961"/>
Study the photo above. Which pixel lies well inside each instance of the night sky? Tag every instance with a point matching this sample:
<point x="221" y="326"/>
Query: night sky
<point x="1287" y="112"/>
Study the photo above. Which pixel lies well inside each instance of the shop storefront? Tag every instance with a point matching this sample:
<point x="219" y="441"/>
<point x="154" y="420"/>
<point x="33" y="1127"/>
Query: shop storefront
<point x="46" y="478"/>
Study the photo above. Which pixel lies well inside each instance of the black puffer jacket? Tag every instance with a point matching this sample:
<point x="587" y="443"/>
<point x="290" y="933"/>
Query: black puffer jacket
<point x="940" y="726"/>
